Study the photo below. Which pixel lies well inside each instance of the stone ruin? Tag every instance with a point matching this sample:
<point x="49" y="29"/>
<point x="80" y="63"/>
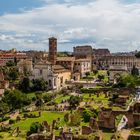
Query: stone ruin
<point x="107" y="117"/>
<point x="134" y="137"/>
<point x="15" y="132"/>
<point x="5" y="127"/>
<point x="137" y="107"/>
<point x="93" y="124"/>
<point x="86" y="130"/>
<point x="39" y="137"/>
<point x="46" y="126"/>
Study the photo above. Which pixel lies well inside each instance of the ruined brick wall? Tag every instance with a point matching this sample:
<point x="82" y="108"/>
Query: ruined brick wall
<point x="86" y="130"/>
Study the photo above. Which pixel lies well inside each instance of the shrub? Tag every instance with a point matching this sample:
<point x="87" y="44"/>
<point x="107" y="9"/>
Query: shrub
<point x="95" y="71"/>
<point x="101" y="77"/>
<point x="34" y="127"/>
<point x="1" y="119"/>
<point x="75" y="119"/>
<point x="66" y="117"/>
<point x="114" y="97"/>
<point x="48" y="97"/>
<point x="11" y="121"/>
<point x="15" y="99"/>
<point x="87" y="74"/>
<point x="87" y="114"/>
<point x="30" y="115"/>
<point x="74" y="101"/>
<point x="6" y="118"/>
<point x="51" y="103"/>
<point x="87" y="90"/>
<point x="39" y="85"/>
<point x="25" y="115"/>
<point x="137" y="123"/>
<point x="33" y="99"/>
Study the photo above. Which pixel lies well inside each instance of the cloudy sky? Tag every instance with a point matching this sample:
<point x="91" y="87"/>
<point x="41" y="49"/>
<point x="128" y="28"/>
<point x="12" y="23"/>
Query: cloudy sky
<point x="27" y="24"/>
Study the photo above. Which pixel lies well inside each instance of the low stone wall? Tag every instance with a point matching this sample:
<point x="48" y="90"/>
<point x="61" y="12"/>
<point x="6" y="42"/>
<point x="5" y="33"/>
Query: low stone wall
<point x="39" y="137"/>
<point x="86" y="130"/>
<point x="134" y="137"/>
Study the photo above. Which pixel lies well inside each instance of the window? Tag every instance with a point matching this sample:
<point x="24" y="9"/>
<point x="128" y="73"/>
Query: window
<point x="55" y="82"/>
<point x="61" y="80"/>
<point x="41" y="71"/>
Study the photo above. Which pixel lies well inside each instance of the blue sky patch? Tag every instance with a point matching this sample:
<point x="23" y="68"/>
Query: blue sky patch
<point x="16" y="6"/>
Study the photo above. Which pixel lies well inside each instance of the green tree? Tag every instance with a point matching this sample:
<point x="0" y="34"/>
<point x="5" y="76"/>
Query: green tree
<point x="87" y="114"/>
<point x="74" y="101"/>
<point x="15" y="61"/>
<point x="128" y="81"/>
<point x="34" y="128"/>
<point x="39" y="100"/>
<point x="13" y="74"/>
<point x="25" y="85"/>
<point x="4" y="108"/>
<point x="75" y="119"/>
<point x="87" y="74"/>
<point x="101" y="77"/>
<point x="10" y="64"/>
<point x="48" y="97"/>
<point x="5" y="71"/>
<point x="40" y="85"/>
<point x="134" y="71"/>
<point x="95" y="72"/>
<point x="15" y="99"/>
<point x="137" y="55"/>
<point x="114" y="97"/>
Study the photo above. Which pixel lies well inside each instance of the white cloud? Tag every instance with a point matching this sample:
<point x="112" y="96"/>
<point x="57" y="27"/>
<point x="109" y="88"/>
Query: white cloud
<point x="107" y="23"/>
<point x="6" y="37"/>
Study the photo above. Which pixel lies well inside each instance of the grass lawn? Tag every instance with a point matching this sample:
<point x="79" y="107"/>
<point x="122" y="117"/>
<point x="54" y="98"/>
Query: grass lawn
<point x="107" y="136"/>
<point x="96" y="102"/>
<point x="46" y="116"/>
<point x="116" y="108"/>
<point x="106" y="79"/>
<point x="84" y="124"/>
<point x="7" y="136"/>
<point x="59" y="98"/>
<point x="102" y="72"/>
<point x="118" y="119"/>
<point x="101" y="98"/>
<point x="31" y="95"/>
<point x="24" y="125"/>
<point x="93" y="75"/>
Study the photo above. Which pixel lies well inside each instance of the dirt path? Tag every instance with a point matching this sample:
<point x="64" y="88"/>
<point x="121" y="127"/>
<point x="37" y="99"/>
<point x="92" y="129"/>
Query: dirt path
<point x="82" y="104"/>
<point x="14" y="115"/>
<point x="125" y="134"/>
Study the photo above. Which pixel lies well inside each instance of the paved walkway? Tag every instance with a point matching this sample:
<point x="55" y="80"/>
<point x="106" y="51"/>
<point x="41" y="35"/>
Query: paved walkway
<point x="124" y="120"/>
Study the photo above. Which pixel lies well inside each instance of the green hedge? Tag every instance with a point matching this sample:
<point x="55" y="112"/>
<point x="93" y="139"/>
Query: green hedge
<point x="93" y="90"/>
<point x="88" y="90"/>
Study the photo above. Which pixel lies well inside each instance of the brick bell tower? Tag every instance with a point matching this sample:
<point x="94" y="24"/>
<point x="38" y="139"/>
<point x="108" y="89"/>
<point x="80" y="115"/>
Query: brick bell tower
<point x="52" y="50"/>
